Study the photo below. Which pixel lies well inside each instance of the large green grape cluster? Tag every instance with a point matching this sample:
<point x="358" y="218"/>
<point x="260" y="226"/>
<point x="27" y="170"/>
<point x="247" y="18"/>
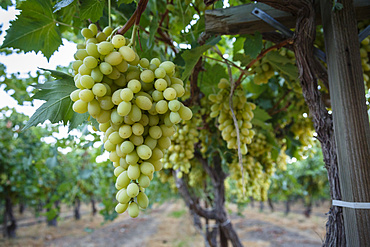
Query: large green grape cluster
<point x="243" y="111"/>
<point x="135" y="102"/>
<point x="181" y="151"/>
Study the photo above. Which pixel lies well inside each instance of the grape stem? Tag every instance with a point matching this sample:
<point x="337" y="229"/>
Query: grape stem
<point x="259" y="57"/>
<point x="135" y="18"/>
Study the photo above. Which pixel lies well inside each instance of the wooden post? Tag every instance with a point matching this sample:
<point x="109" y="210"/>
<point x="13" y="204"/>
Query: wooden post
<point x="351" y="122"/>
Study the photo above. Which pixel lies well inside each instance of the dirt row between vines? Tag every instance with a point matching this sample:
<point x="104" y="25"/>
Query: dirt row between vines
<point x="170" y="224"/>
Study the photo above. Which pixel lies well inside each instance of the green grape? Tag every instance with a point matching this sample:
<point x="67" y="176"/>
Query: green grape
<point x="144" y="152"/>
<point x="147" y="168"/>
<point x="175" y="117"/>
<point x="113" y="58"/>
<point x="75" y="95"/>
<point x="134" y="85"/>
<point x="124" y="108"/>
<point x="121" y="208"/>
<point x="93" y="28"/>
<point x="132" y="190"/>
<point x="161" y="107"/>
<point x="136" y="140"/>
<point x="105" y="68"/>
<point x="142" y="200"/>
<point x="160" y="84"/>
<point x="135" y="113"/>
<point x="174" y="105"/>
<point x="144" y="181"/>
<point x="87" y="81"/>
<point x="103" y="117"/>
<point x="116" y="97"/>
<point x="143" y="102"/>
<point x="99" y="90"/>
<point x="133" y="210"/>
<point x="123" y="179"/>
<point x="144" y="63"/>
<point x="76" y="64"/>
<point x="118" y="41"/>
<point x="127" y="147"/>
<point x="147" y="76"/>
<point x="105" y="47"/>
<point x="150" y="142"/>
<point x="137" y="129"/>
<point x="122" y="67"/>
<point x="97" y="75"/>
<point x="115" y="138"/>
<point x="155" y="132"/>
<point x="123" y="197"/>
<point x="168" y="66"/>
<point x="127" y="53"/>
<point x="93" y="108"/>
<point x="80" y="106"/>
<point x="180" y="91"/>
<point x="107" y="31"/>
<point x="169" y="94"/>
<point x="157" y="95"/>
<point x="86" y="95"/>
<point x="132" y="158"/>
<point x="90" y="62"/>
<point x="106" y="103"/>
<point x="87" y="33"/>
<point x="115" y="118"/>
<point x="125" y="131"/>
<point x="133" y="171"/>
<point x="160" y="73"/>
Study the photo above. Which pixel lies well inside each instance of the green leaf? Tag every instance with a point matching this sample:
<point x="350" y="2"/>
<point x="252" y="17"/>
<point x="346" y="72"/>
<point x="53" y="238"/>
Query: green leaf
<point x="192" y="56"/>
<point x="58" y="105"/>
<point x="154" y="24"/>
<point x="34" y="29"/>
<point x="260" y="118"/>
<point x="119" y="2"/>
<point x="92" y="9"/>
<point x="283" y="65"/>
<point x="210" y="78"/>
<point x="238" y="44"/>
<point x="253" y="90"/>
<point x="5" y="4"/>
<point x="253" y="44"/>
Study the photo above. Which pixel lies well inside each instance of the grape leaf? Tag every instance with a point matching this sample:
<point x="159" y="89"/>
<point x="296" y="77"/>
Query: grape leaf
<point x="5" y="4"/>
<point x="91" y="9"/>
<point x="238" y="44"/>
<point x="58" y="105"/>
<point x="62" y="4"/>
<point x="34" y="29"/>
<point x="253" y="44"/>
<point x="119" y="2"/>
<point x="260" y="118"/>
<point x="210" y="78"/>
<point x="192" y="56"/>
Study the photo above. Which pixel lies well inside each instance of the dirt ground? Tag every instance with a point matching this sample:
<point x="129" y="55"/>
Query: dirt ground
<point x="170" y="224"/>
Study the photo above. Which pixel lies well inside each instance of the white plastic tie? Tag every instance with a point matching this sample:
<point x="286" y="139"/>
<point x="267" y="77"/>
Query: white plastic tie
<point x="226" y="222"/>
<point x="356" y="205"/>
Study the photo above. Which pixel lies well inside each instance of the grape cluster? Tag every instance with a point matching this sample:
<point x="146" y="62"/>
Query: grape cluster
<point x="242" y="110"/>
<point x="135" y="103"/>
<point x="181" y="151"/>
<point x="364" y="53"/>
<point x="262" y="71"/>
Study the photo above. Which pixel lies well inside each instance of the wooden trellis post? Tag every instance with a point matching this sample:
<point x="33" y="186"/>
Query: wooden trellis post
<point x="351" y="122"/>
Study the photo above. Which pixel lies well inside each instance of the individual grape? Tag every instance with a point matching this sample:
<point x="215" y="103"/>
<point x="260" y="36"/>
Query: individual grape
<point x="142" y="200"/>
<point x="157" y="95"/>
<point x="124" y="108"/>
<point x="164" y="142"/>
<point x="134" y="85"/>
<point x="123" y="179"/>
<point x="115" y="118"/>
<point x="99" y="89"/>
<point x="127" y="53"/>
<point x="87" y="81"/>
<point x="155" y="132"/>
<point x="105" y="47"/>
<point x="135" y="113"/>
<point x="75" y="95"/>
<point x="123" y="197"/>
<point x="136" y="140"/>
<point x="113" y="58"/>
<point x="180" y="91"/>
<point x="80" y="106"/>
<point x="125" y="131"/>
<point x="137" y="129"/>
<point x="93" y="28"/>
<point x="161" y="107"/>
<point x="93" y="108"/>
<point x="127" y="147"/>
<point x="147" y="168"/>
<point x="115" y="138"/>
<point x="86" y="95"/>
<point x="144" y="181"/>
<point x="118" y="41"/>
<point x="132" y="190"/>
<point x="160" y="84"/>
<point x="169" y="94"/>
<point x="133" y="171"/>
<point x="103" y="117"/>
<point x="144" y="63"/>
<point x="106" y="68"/>
<point x="147" y="76"/>
<point x="156" y="62"/>
<point x="90" y="62"/>
<point x="143" y="102"/>
<point x="87" y="33"/>
<point x="76" y="64"/>
<point x="144" y="152"/>
<point x="160" y="73"/>
<point x="133" y="210"/>
<point x="97" y="75"/>
<point x="132" y="158"/>
<point x="168" y="66"/>
<point x="150" y="142"/>
<point x="185" y="113"/>
<point x="106" y="103"/>
<point x="122" y="67"/>
<point x="116" y="97"/>
<point x="121" y="208"/>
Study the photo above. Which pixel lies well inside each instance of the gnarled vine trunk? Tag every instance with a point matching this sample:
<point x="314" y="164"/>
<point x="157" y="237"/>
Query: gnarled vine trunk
<point x="9" y="221"/>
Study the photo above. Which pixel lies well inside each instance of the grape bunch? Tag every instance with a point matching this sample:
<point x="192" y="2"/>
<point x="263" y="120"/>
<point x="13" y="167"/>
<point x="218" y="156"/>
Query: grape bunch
<point x="243" y="111"/>
<point x="181" y="151"/>
<point x="262" y="71"/>
<point x="364" y="53"/>
<point x="134" y="100"/>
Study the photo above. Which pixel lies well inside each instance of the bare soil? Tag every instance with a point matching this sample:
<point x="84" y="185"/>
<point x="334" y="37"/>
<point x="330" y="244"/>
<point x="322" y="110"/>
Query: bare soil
<point x="170" y="224"/>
